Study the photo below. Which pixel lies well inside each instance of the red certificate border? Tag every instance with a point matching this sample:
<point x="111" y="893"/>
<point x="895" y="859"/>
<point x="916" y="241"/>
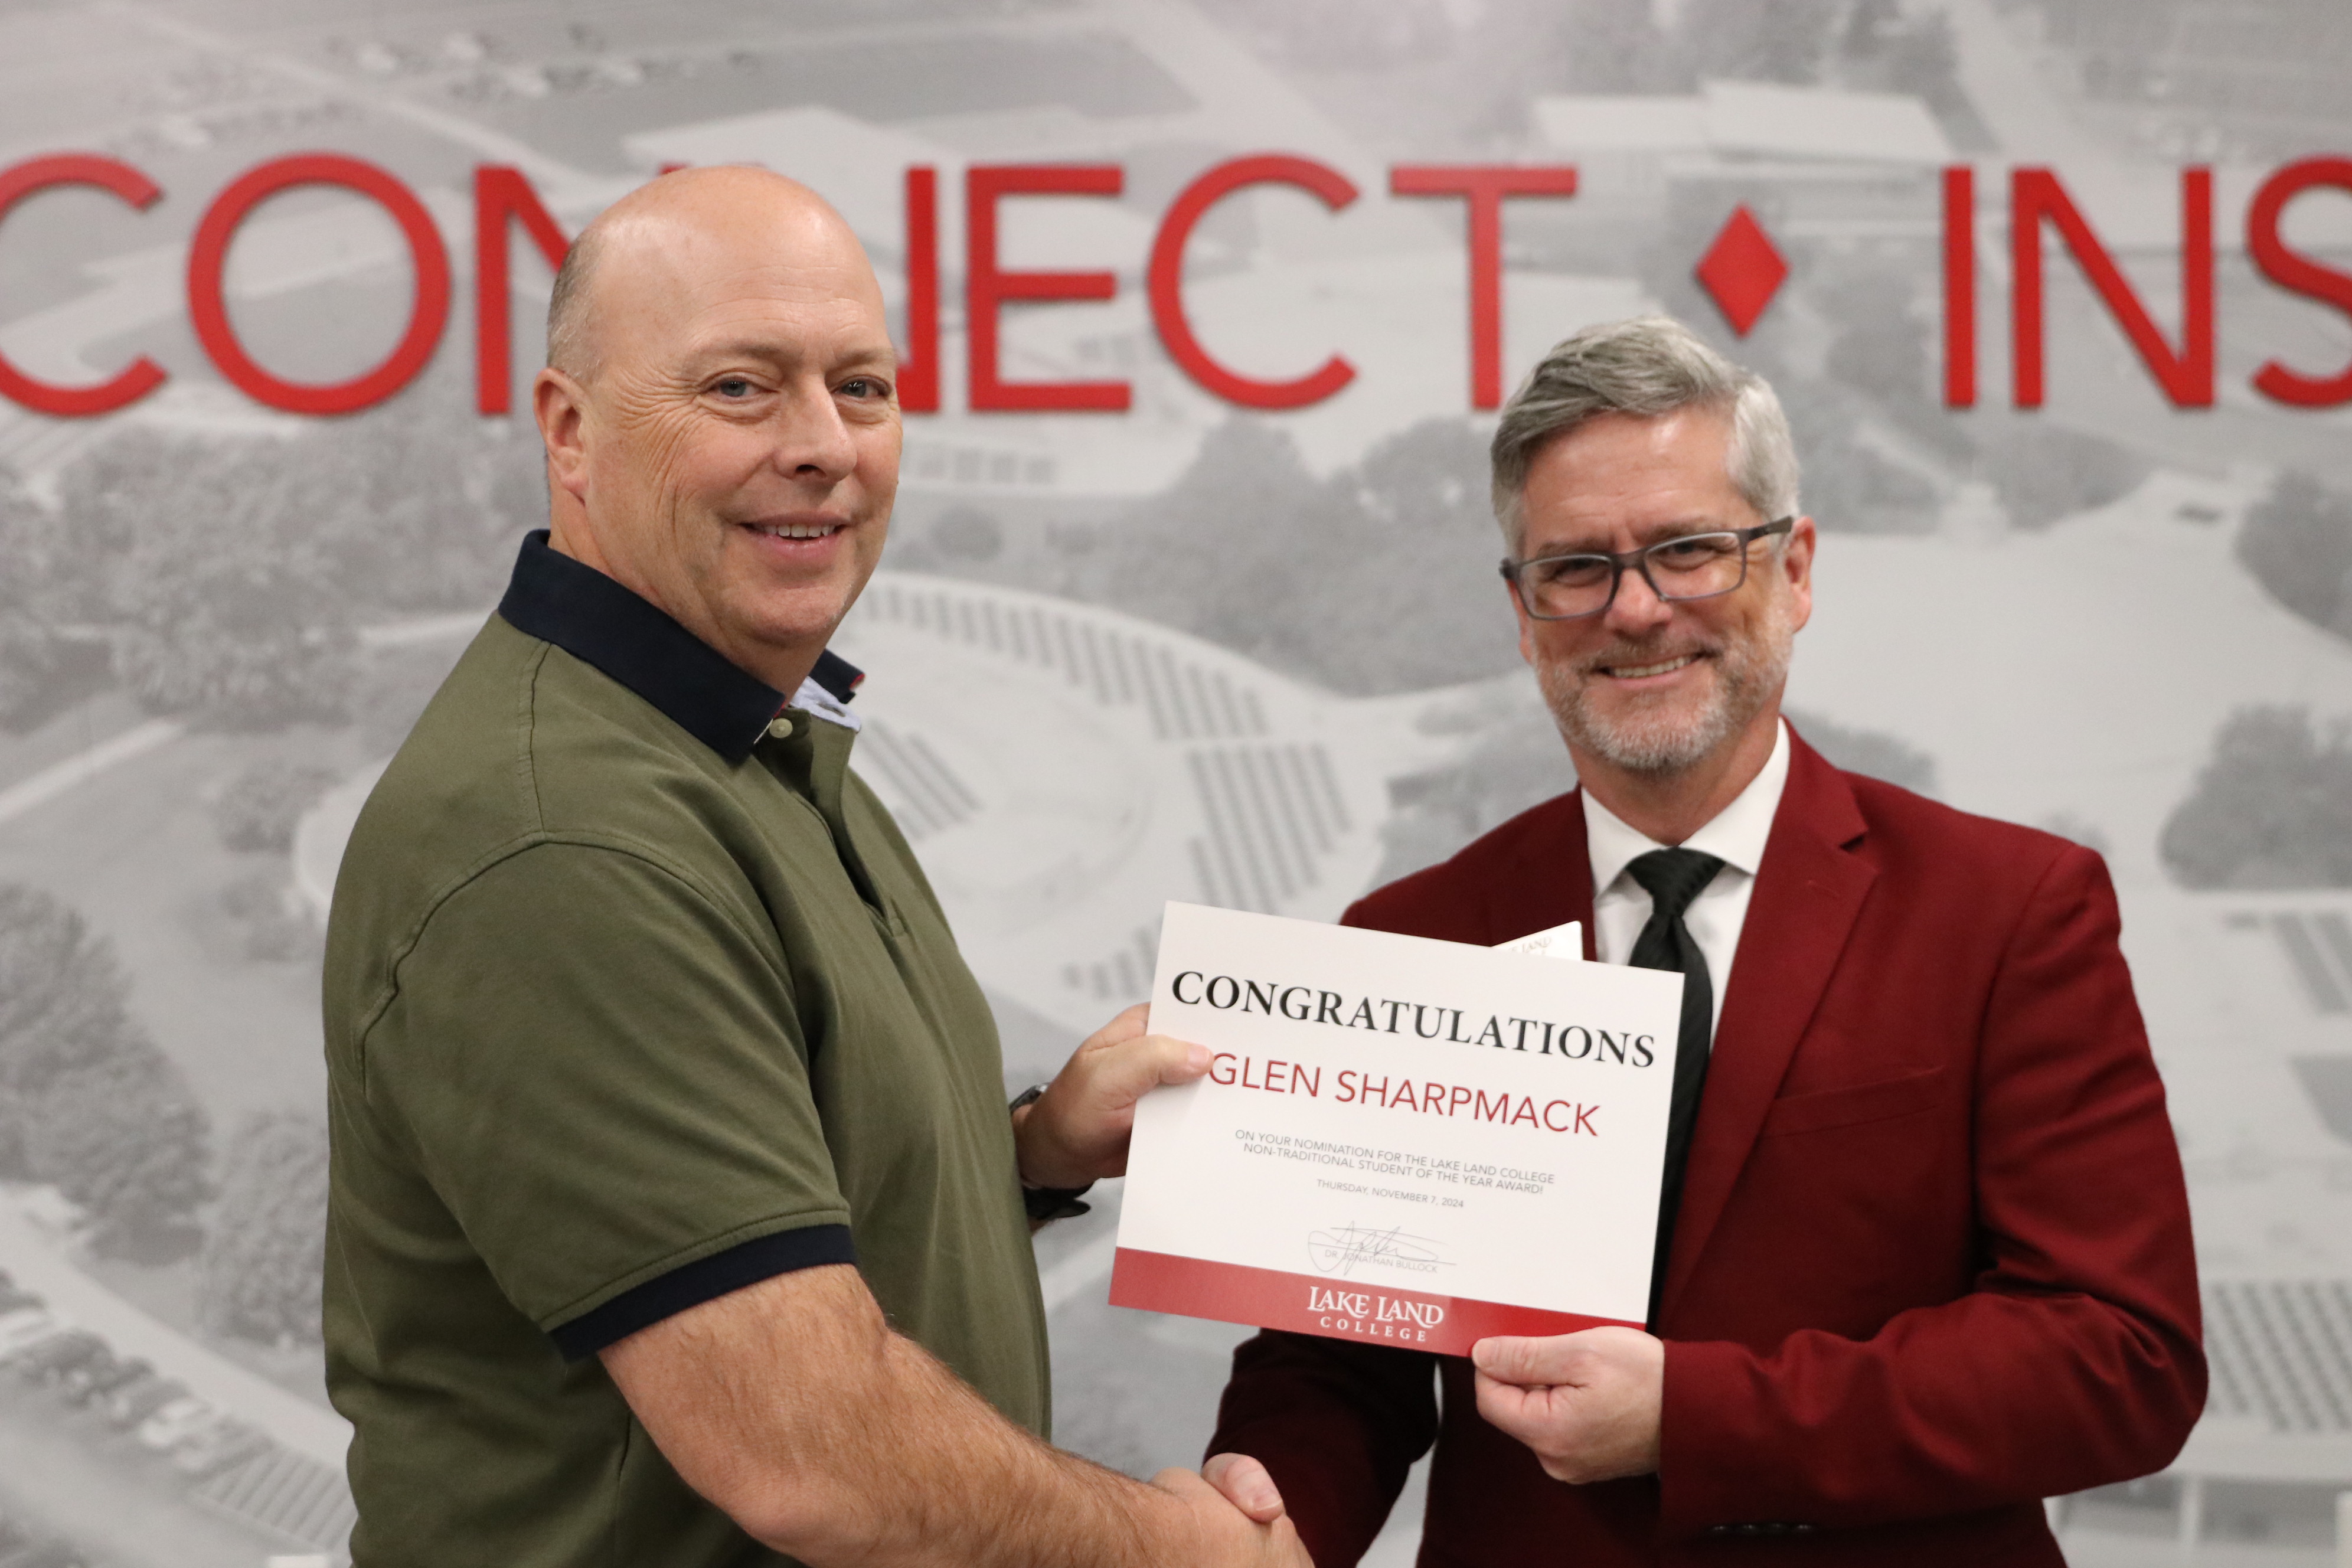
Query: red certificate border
<point x="1327" y="1305"/>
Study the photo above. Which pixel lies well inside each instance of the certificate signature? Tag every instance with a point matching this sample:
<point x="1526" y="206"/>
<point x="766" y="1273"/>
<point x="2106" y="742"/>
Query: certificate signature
<point x="1344" y="1248"/>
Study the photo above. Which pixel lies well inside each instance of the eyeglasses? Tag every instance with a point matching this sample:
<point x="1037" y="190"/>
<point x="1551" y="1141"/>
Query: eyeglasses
<point x="1694" y="566"/>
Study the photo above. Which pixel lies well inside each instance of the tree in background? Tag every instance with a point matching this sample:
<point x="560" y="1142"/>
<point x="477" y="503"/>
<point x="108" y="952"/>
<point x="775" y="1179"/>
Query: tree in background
<point x="87" y="1100"/>
<point x="32" y="661"/>
<point x="1882" y="350"/>
<point x="1380" y="578"/>
<point x="1518" y="50"/>
<point x="1882" y="49"/>
<point x="265" y="1251"/>
<point x="61" y="995"/>
<point x="2298" y="541"/>
<point x="43" y="662"/>
<point x="1354" y="34"/>
<point x="1586" y="46"/>
<point x="1418" y="600"/>
<point x="1863" y="46"/>
<point x="1512" y="759"/>
<point x="1759" y="40"/>
<point x="267" y="920"/>
<point x="2272" y="809"/>
<point x="1874" y="438"/>
<point x="1850" y="484"/>
<point x="215" y="577"/>
<point x="2046" y="473"/>
<point x="1217" y="553"/>
<point x="121" y="1138"/>
<point x="258" y="807"/>
<point x="427" y="500"/>
<point x="226" y="578"/>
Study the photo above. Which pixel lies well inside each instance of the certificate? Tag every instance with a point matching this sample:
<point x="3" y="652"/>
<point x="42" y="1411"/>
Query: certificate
<point x="1402" y="1141"/>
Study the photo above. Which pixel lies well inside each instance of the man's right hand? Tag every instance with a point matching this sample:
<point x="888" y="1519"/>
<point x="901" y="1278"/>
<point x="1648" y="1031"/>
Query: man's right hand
<point x="1245" y="1484"/>
<point x="1220" y="1532"/>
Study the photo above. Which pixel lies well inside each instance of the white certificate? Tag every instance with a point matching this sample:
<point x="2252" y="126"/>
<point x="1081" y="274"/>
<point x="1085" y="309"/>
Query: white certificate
<point x="1404" y="1140"/>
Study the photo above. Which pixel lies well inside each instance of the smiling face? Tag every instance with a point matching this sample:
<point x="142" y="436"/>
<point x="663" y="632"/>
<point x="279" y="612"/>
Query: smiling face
<point x="726" y="444"/>
<point x="1650" y="688"/>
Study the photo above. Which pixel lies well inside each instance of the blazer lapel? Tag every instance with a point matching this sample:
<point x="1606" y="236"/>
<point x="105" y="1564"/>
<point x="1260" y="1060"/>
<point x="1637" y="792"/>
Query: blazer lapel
<point x="1809" y="889"/>
<point x="1553" y="883"/>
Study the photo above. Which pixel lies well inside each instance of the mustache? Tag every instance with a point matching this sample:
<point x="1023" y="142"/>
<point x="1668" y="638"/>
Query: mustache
<point x="1660" y="652"/>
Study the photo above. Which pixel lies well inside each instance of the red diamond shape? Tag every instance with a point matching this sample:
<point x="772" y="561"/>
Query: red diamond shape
<point x="1742" y="270"/>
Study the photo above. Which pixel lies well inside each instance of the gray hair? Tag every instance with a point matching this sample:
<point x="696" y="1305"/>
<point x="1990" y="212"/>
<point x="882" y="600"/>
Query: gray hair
<point x="568" y="349"/>
<point x="1646" y="366"/>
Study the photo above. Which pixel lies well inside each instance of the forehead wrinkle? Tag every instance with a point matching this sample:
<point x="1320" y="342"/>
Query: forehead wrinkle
<point x="663" y="263"/>
<point x="808" y="322"/>
<point x="738" y="329"/>
<point x="779" y="294"/>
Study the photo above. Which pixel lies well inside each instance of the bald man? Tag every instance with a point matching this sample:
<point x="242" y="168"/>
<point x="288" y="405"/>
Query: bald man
<point x="676" y="1214"/>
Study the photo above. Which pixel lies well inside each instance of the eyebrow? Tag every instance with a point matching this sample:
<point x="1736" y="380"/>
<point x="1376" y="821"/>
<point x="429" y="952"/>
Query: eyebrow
<point x="1677" y="529"/>
<point x="765" y="352"/>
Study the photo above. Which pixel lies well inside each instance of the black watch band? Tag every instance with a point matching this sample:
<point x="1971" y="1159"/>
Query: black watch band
<point x="1045" y="1205"/>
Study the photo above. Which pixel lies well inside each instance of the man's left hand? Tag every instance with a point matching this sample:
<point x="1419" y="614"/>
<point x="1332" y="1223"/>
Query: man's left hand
<point x="1588" y="1403"/>
<point x="1077" y="1131"/>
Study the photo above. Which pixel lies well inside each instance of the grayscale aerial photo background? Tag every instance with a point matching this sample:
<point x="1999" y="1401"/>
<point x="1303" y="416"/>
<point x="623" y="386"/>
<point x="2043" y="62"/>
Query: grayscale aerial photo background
<point x="1187" y="649"/>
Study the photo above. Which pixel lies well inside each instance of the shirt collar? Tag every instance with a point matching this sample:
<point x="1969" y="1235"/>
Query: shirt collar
<point x="1736" y="834"/>
<point x="597" y="621"/>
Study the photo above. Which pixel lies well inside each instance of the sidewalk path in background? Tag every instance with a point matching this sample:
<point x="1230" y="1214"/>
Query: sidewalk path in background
<point x="34" y="1261"/>
<point x="59" y="777"/>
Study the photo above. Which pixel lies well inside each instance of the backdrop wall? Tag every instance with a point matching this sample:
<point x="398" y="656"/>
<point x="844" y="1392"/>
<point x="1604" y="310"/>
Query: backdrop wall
<point x="1206" y="307"/>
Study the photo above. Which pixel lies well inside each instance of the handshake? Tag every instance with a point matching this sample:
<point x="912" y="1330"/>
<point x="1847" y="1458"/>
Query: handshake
<point x="1236" y="1511"/>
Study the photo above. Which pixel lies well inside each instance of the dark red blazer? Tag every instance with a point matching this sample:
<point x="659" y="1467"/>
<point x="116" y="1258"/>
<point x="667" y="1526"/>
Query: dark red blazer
<point x="1933" y="1262"/>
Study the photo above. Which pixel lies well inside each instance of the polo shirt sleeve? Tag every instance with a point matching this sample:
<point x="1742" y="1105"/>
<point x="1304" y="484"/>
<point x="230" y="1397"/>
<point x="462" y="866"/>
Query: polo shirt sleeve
<point x="598" y="1067"/>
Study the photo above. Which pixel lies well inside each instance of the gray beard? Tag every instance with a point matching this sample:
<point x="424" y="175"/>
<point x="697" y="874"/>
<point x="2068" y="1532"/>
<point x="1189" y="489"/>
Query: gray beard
<point x="1750" y="672"/>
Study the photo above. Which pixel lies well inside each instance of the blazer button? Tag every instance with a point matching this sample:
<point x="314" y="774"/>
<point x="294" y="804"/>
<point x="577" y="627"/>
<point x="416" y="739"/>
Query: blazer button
<point x="781" y="728"/>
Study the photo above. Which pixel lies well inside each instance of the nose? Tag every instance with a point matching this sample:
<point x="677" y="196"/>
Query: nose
<point x="813" y="441"/>
<point x="1637" y="609"/>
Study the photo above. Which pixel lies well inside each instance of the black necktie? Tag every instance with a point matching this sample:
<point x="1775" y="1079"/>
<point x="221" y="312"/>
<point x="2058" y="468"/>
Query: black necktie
<point x="1672" y="878"/>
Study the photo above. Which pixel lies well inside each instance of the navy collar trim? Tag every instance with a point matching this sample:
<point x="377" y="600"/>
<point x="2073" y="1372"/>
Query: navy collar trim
<point x="596" y="620"/>
<point x="839" y="678"/>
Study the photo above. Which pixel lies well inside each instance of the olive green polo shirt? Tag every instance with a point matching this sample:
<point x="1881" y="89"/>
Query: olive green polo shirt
<point x="632" y="999"/>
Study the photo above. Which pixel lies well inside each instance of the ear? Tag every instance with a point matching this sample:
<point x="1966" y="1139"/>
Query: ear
<point x="560" y="406"/>
<point x="1797" y="565"/>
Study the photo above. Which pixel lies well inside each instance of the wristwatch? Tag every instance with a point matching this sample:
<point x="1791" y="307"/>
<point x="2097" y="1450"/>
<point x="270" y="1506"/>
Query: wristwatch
<point x="1047" y="1205"/>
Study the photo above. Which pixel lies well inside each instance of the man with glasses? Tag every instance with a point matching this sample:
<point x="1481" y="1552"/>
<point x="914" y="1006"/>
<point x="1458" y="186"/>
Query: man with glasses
<point x="1923" y="1251"/>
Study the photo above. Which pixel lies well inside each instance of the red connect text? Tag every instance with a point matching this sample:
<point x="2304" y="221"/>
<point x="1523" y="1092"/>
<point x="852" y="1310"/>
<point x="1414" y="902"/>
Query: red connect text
<point x="142" y="375"/>
<point x="2039" y="205"/>
<point x="208" y="304"/>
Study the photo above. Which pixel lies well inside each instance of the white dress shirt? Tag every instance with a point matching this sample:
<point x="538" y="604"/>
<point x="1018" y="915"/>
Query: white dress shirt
<point x="1621" y="906"/>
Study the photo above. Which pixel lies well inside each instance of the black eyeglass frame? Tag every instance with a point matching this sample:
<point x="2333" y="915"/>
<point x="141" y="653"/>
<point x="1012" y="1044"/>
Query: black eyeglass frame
<point x="1639" y="560"/>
